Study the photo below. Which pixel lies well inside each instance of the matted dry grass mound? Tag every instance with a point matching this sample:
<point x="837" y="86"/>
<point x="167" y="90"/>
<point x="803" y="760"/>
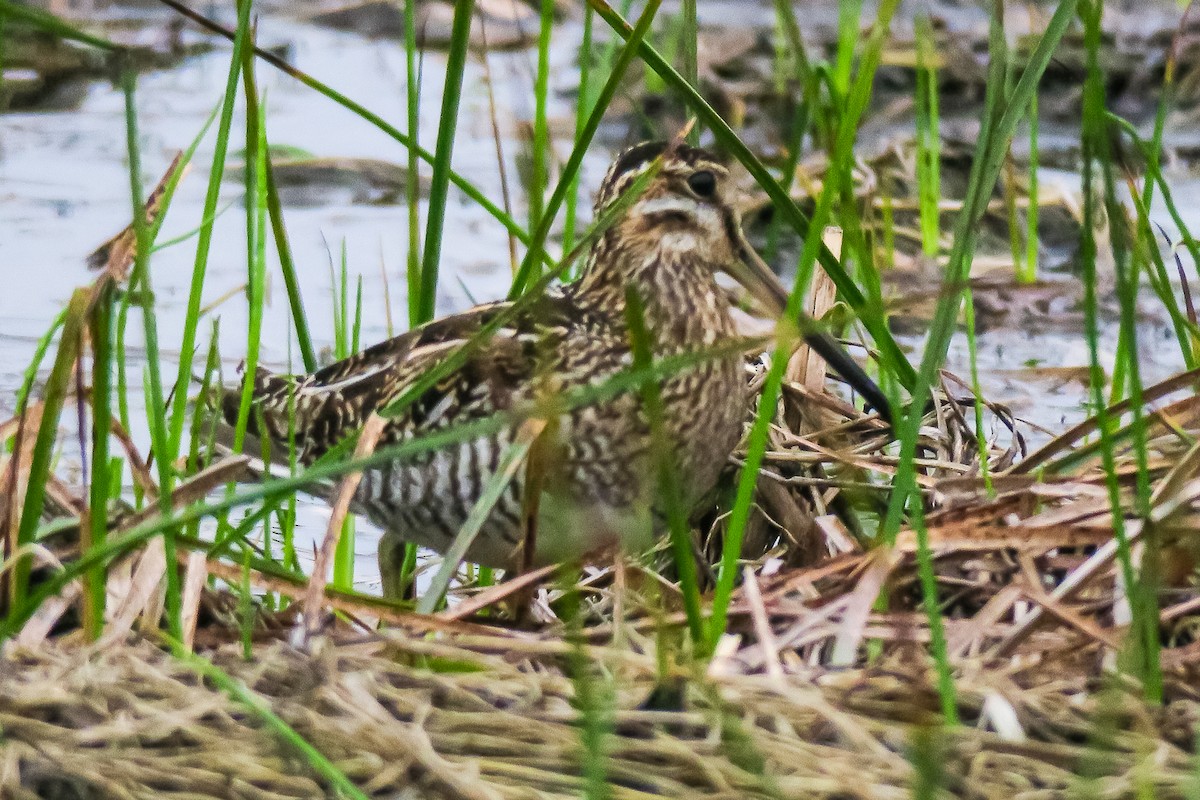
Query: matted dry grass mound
<point x="132" y="722"/>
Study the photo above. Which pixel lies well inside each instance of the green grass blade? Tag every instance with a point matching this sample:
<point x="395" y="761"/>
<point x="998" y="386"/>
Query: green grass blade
<point x="1141" y="589"/>
<point x="52" y="24"/>
<point x="203" y="243"/>
<point x="536" y="253"/>
<point x="286" y="734"/>
<point x="663" y="449"/>
<point x="156" y="407"/>
<point x="39" y="355"/>
<point x="583" y="109"/>
<point x="366" y="114"/>
<point x="688" y="32"/>
<point x="102" y="329"/>
<point x="872" y="318"/>
<point x="270" y="192"/>
<point x="849" y="15"/>
<point x="541" y="128"/>
<point x="54" y="397"/>
<point x="786" y="339"/>
<point x="439" y="187"/>
<point x="1028" y="272"/>
<point x="928" y="139"/>
<point x="412" y="96"/>
<point x="511" y="460"/>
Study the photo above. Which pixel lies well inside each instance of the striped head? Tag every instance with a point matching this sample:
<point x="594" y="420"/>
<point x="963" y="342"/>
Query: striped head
<point x="684" y="223"/>
<point x="687" y="200"/>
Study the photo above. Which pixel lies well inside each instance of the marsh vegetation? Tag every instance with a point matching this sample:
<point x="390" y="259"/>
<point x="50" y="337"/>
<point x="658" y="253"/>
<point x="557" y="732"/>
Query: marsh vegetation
<point x="992" y="206"/>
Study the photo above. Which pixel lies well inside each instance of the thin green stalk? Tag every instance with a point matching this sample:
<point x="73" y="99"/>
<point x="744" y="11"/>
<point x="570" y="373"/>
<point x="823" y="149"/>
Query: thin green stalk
<point x="541" y="128"/>
<point x="510" y="463"/>
<point x="1028" y="272"/>
<point x="288" y="522"/>
<point x="872" y="318"/>
<point x="53" y="398"/>
<point x="1009" y="186"/>
<point x="928" y="139"/>
<point x="887" y="220"/>
<point x="583" y="110"/>
<point x="255" y="207"/>
<point x="412" y="92"/>
<point x="156" y="407"/>
<point x="1000" y="118"/>
<point x="288" y="735"/>
<point x="341" y="311"/>
<point x="287" y="265"/>
<point x="123" y="376"/>
<point x="939" y="649"/>
<point x="356" y="326"/>
<point x="200" y="266"/>
<point x="786" y="338"/>
<point x="246" y="609"/>
<point x="1144" y="652"/>
<point x="927" y="759"/>
<point x="39" y="354"/>
<point x="48" y="22"/>
<point x="102" y="324"/>
<point x="689" y="34"/>
<point x="537" y="242"/>
<point x="412" y="88"/>
<point x="976" y="390"/>
<point x="669" y="488"/>
<point x="594" y="698"/>
<point x="849" y="15"/>
<point x="270" y="193"/>
<point x="439" y="186"/>
<point x="345" y="344"/>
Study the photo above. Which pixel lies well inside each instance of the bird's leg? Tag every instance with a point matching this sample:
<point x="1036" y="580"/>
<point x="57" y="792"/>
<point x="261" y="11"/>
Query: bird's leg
<point x="535" y="479"/>
<point x="392" y="550"/>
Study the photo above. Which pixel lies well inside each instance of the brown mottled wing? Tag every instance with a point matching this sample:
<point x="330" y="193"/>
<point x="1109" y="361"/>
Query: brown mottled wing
<point x="332" y="403"/>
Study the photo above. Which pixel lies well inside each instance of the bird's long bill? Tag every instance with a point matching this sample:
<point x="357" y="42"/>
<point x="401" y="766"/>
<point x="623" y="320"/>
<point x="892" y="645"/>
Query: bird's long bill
<point x="758" y="279"/>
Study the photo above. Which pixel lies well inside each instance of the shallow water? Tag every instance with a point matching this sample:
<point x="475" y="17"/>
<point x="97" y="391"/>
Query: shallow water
<point x="64" y="189"/>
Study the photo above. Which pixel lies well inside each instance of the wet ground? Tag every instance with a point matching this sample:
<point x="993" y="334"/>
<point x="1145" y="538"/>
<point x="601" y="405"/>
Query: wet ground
<point x="64" y="189"/>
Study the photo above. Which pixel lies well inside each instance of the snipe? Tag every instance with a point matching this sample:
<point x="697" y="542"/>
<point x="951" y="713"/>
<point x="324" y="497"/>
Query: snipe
<point x="598" y="490"/>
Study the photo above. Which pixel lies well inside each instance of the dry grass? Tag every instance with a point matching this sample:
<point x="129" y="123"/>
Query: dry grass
<point x="817" y="692"/>
<point x="132" y="722"/>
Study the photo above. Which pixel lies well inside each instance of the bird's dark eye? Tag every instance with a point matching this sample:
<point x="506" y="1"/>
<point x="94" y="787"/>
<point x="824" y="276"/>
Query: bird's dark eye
<point x="703" y="183"/>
